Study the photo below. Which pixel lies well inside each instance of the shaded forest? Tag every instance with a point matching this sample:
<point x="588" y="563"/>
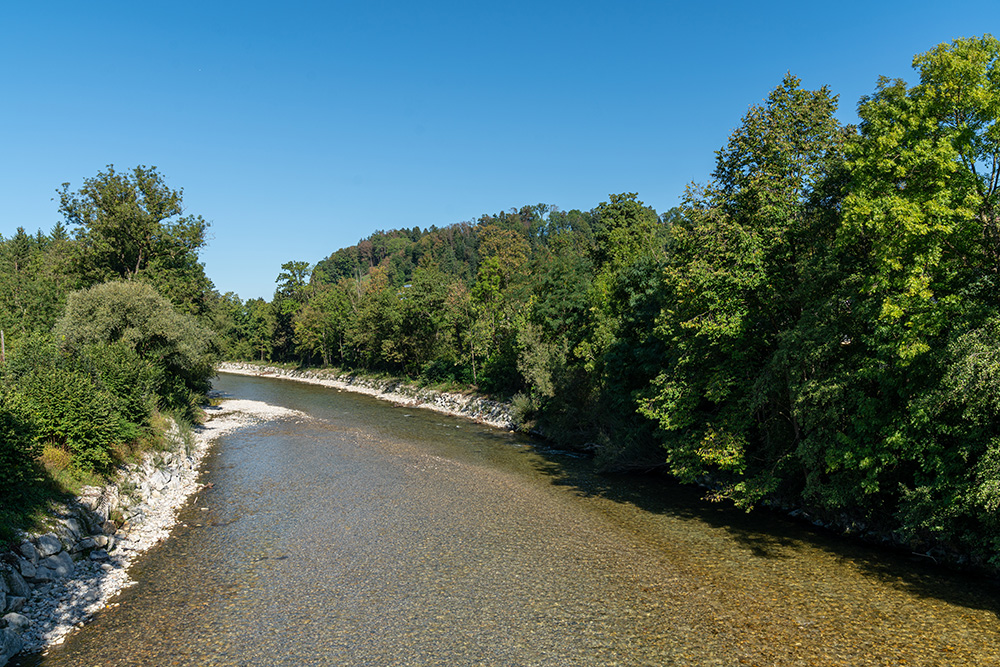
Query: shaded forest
<point x="815" y="325"/>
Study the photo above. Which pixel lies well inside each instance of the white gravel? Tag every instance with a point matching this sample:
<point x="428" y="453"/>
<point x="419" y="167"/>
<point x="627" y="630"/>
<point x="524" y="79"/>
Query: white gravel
<point x="469" y="406"/>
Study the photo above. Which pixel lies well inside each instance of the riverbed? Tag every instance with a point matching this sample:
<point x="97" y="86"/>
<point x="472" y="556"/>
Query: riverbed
<point x="378" y="535"/>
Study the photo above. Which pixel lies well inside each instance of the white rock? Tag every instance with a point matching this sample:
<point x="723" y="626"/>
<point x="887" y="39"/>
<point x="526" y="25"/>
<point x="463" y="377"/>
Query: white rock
<point x="27" y="568"/>
<point x="16" y="622"/>
<point x="10" y="645"/>
<point x="55" y="567"/>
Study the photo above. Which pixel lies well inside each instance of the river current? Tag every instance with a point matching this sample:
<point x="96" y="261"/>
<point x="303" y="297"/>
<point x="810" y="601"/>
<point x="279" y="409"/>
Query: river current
<point x="376" y="535"/>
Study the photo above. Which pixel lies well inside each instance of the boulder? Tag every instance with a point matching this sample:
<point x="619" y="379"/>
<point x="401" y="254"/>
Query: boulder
<point x="10" y="645"/>
<point x="27" y="568"/>
<point x="90" y="497"/>
<point x="16" y="622"/>
<point x="69" y="529"/>
<point x="15" y="603"/>
<point x="29" y="551"/>
<point x="159" y="480"/>
<point x="85" y="544"/>
<point x="55" y="567"/>
<point x="16" y="585"/>
<point x="48" y="545"/>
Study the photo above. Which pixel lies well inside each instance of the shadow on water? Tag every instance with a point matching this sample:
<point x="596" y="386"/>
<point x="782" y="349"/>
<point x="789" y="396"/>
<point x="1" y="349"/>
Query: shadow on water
<point x="769" y="534"/>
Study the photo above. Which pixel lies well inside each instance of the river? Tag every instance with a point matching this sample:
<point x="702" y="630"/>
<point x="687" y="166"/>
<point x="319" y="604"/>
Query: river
<point x="376" y="535"/>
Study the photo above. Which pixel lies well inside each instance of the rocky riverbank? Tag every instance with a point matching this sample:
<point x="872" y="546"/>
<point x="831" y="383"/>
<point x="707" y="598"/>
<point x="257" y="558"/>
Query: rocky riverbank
<point x="477" y="408"/>
<point x="55" y="581"/>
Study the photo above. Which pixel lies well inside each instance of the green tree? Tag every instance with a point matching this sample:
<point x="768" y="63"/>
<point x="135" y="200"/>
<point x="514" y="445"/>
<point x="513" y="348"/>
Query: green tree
<point x="741" y="274"/>
<point x="322" y="324"/>
<point x="131" y="225"/>
<point x="36" y="273"/>
<point x="921" y="221"/>
<point x="291" y="295"/>
<point x="924" y="191"/>
<point x="261" y="325"/>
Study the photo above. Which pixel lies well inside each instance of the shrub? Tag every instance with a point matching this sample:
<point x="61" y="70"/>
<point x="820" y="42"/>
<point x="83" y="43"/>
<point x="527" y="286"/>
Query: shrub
<point x="129" y="379"/>
<point x="70" y="412"/>
<point x="18" y="446"/>
<point x="134" y="316"/>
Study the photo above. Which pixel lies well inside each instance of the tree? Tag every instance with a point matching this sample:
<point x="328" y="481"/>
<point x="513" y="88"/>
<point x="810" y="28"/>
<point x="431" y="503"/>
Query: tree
<point x="626" y="230"/>
<point x="261" y="324"/>
<point x="131" y="225"/>
<point x="924" y="190"/>
<point x="320" y="326"/>
<point x="291" y="295"/>
<point x="922" y="215"/>
<point x="36" y="273"/>
<point x="742" y="273"/>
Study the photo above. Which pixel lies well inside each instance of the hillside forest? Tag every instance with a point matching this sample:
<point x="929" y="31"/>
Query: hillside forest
<point x="815" y="325"/>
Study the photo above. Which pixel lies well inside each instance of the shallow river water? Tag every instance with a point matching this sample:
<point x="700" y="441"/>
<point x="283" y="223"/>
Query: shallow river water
<point x="377" y="535"/>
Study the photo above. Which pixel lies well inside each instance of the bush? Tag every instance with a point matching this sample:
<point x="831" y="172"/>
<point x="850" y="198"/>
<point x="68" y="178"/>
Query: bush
<point x="69" y="411"/>
<point x="129" y="379"/>
<point x="133" y="316"/>
<point x="18" y="447"/>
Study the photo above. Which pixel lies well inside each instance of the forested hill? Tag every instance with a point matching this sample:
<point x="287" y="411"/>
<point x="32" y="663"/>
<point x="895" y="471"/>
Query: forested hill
<point x="817" y="324"/>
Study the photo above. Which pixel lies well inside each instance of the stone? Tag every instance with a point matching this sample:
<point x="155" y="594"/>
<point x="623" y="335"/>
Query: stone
<point x="15" y="603"/>
<point x="55" y="567"/>
<point x="3" y="602"/>
<point x="16" y="622"/>
<point x="27" y="568"/>
<point x="92" y="521"/>
<point x="71" y="528"/>
<point x="10" y="645"/>
<point x="100" y="540"/>
<point x="17" y="586"/>
<point x="159" y="480"/>
<point x="29" y="551"/>
<point x="84" y="545"/>
<point x="99" y="554"/>
<point x="48" y="545"/>
<point x="90" y="497"/>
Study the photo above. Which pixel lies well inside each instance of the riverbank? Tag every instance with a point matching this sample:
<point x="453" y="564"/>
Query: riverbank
<point x="476" y="408"/>
<point x="55" y="581"/>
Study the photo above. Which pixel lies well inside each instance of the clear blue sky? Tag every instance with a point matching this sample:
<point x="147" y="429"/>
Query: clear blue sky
<point x="298" y="128"/>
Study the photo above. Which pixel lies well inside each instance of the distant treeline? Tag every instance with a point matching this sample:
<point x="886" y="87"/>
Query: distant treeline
<point x="818" y="324"/>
